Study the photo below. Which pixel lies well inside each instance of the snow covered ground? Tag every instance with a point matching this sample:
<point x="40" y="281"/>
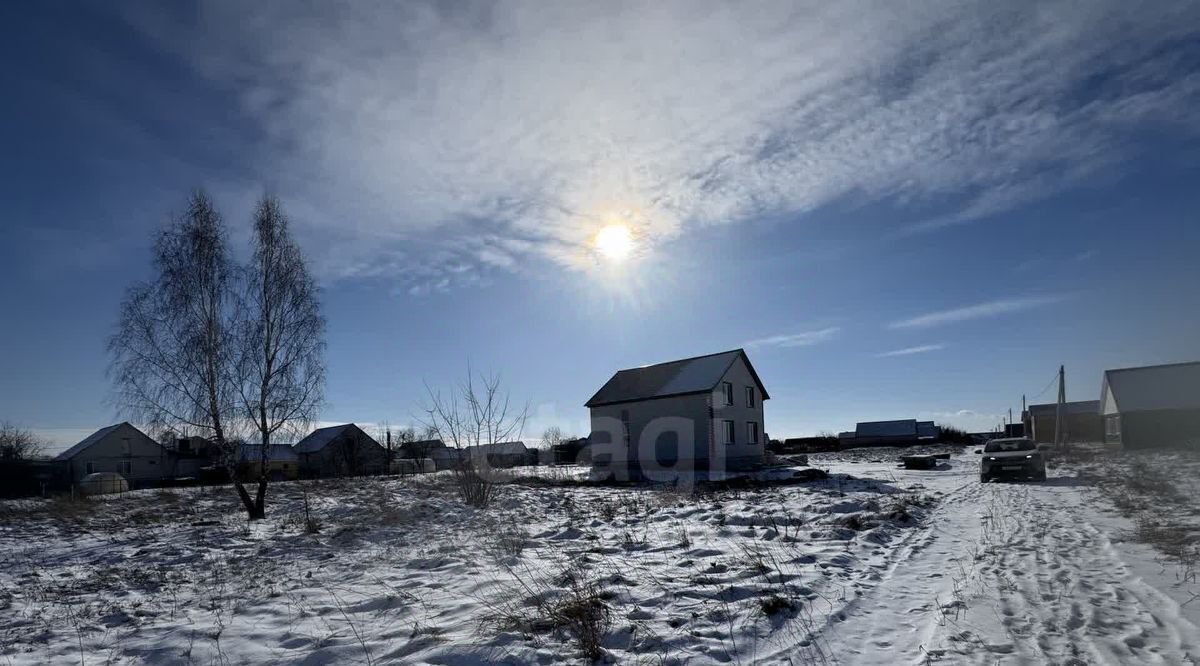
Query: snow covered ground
<point x="876" y="565"/>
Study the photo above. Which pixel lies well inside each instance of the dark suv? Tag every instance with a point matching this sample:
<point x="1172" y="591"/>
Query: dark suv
<point x="1014" y="457"/>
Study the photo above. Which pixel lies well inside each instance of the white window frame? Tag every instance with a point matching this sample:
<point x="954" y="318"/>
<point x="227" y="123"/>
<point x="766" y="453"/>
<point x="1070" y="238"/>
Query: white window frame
<point x="727" y="389"/>
<point x="125" y="468"/>
<point x="730" y="432"/>
<point x="89" y="467"/>
<point x="752" y="432"/>
<point x="749" y="396"/>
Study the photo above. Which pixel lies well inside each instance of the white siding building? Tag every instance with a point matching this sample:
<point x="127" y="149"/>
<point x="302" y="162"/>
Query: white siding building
<point x="119" y="448"/>
<point x="696" y="414"/>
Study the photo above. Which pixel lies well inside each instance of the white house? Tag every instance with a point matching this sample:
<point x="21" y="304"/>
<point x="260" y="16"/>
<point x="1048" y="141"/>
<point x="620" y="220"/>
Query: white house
<point x="695" y="414"/>
<point x="120" y="448"/>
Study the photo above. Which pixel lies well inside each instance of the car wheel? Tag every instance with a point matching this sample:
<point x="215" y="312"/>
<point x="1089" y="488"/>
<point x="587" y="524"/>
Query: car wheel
<point x="983" y="478"/>
<point x="1041" y="476"/>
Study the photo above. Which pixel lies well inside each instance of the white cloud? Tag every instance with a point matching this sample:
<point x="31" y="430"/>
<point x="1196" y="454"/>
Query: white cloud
<point x="426" y="126"/>
<point x="803" y="339"/>
<point x="908" y="351"/>
<point x="978" y="311"/>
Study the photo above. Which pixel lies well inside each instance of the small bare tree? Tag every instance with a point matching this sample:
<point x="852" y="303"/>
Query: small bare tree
<point x="477" y="414"/>
<point x="18" y="443"/>
<point x="281" y="340"/>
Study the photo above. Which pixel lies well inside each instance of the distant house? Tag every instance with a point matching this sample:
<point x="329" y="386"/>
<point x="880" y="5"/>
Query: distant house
<point x="1152" y="406"/>
<point x="283" y="463"/>
<point x="443" y="457"/>
<point x="193" y="457"/>
<point x="341" y="450"/>
<point x="1081" y="422"/>
<point x="886" y="433"/>
<point x="702" y="413"/>
<point x="571" y="451"/>
<point x="119" y="448"/>
<point x="502" y="454"/>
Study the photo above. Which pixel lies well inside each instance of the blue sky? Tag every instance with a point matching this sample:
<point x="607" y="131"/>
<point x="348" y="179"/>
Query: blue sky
<point x="898" y="213"/>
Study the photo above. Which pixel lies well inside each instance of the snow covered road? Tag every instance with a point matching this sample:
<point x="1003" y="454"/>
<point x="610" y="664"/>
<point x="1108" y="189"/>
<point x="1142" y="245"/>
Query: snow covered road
<point x="1012" y="573"/>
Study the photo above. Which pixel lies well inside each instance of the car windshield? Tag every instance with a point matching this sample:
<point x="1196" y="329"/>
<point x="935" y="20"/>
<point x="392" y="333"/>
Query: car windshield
<point x="1010" y="445"/>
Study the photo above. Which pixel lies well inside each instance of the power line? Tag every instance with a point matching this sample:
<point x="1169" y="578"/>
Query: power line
<point x="1048" y="385"/>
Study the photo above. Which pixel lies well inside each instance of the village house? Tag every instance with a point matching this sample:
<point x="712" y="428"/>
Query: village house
<point x="695" y="414"/>
<point x="341" y="450"/>
<point x="443" y="457"/>
<point x="283" y="463"/>
<point x="119" y="448"/>
<point x="1152" y="406"/>
<point x="902" y="432"/>
<point x="1081" y="422"/>
<point x="502" y="454"/>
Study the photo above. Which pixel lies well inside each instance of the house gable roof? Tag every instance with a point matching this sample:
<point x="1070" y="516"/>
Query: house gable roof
<point x="96" y="437"/>
<point x="699" y="374"/>
<point x="321" y="437"/>
<point x="1172" y="386"/>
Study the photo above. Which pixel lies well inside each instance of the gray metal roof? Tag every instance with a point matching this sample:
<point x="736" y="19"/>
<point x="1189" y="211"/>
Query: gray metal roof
<point x="94" y="438"/>
<point x="901" y="428"/>
<point x="1174" y="386"/>
<point x="690" y="375"/>
<point x="1077" y="407"/>
<point x="321" y="437"/>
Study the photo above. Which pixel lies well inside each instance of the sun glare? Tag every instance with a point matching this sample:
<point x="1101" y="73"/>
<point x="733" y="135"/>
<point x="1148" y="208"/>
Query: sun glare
<point x="614" y="242"/>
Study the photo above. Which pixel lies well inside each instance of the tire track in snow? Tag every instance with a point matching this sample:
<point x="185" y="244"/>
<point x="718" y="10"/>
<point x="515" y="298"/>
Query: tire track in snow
<point x="1011" y="573"/>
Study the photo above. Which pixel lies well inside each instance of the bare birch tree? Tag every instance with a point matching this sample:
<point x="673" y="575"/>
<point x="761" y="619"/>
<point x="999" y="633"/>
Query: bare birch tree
<point x="281" y="340"/>
<point x="476" y="413"/>
<point x="209" y="349"/>
<point x="174" y="353"/>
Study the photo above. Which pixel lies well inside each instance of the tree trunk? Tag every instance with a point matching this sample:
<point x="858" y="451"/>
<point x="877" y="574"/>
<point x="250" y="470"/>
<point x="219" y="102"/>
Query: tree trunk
<point x="260" y="499"/>
<point x="254" y="509"/>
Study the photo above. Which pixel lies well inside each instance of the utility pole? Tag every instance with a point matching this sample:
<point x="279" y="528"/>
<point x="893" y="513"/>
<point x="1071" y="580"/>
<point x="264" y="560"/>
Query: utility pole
<point x="1025" y="425"/>
<point x="1059" y="432"/>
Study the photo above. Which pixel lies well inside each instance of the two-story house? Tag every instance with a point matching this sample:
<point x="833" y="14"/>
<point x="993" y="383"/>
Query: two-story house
<point x="695" y="414"/>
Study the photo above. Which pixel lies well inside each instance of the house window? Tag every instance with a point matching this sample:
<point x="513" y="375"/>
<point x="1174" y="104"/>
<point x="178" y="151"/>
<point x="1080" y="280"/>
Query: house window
<point x="728" y="432"/>
<point x="89" y="468"/>
<point x="1112" y="426"/>
<point x="728" y="388"/>
<point x="125" y="467"/>
<point x="751" y="432"/>
<point x="749" y="396"/>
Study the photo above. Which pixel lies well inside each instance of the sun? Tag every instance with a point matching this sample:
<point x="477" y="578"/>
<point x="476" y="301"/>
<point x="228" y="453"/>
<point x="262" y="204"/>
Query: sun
<point x="614" y="242"/>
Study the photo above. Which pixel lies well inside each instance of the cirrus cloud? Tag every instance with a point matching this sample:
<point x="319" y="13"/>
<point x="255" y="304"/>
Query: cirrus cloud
<point x="909" y="351"/>
<point x="426" y="125"/>
<point x="978" y="311"/>
<point x="802" y="339"/>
